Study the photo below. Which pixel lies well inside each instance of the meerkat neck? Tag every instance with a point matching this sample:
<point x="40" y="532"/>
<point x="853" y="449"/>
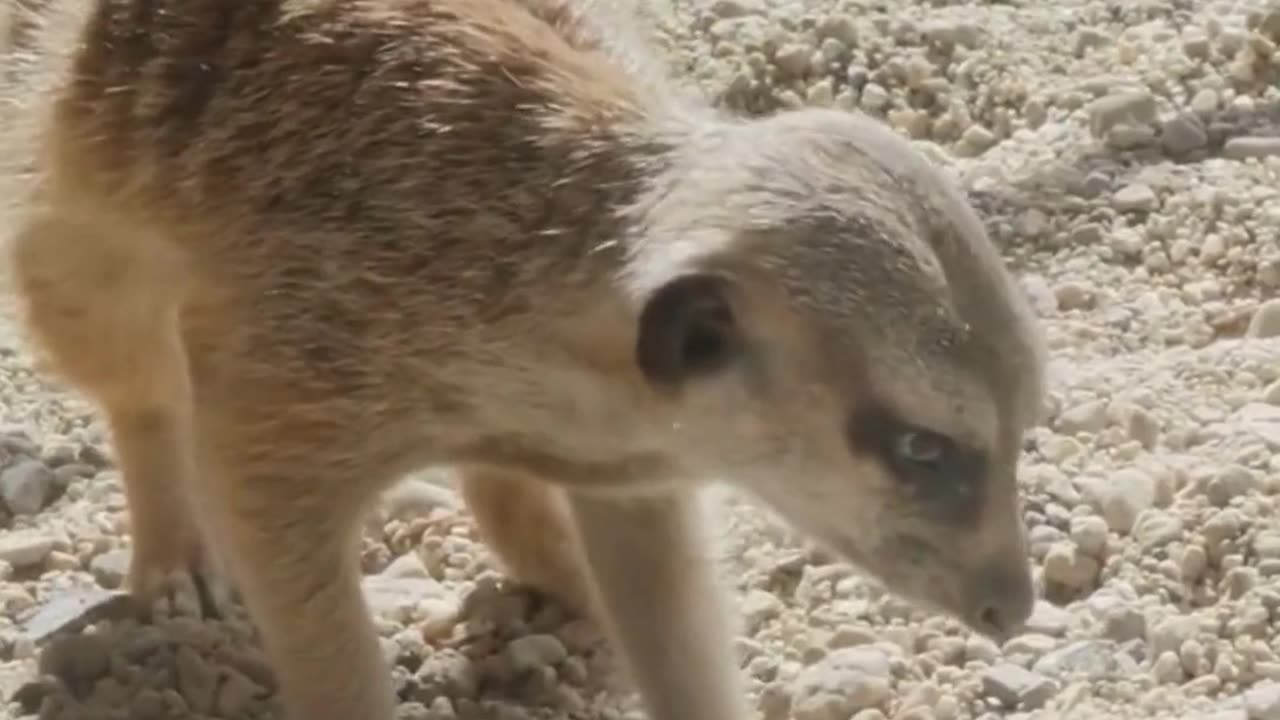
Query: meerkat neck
<point x="674" y="217"/>
<point x="574" y="345"/>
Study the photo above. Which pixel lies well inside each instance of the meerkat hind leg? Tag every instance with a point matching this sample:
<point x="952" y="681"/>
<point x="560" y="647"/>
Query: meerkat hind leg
<point x="662" y="604"/>
<point x="525" y="523"/>
<point x="105" y="314"/>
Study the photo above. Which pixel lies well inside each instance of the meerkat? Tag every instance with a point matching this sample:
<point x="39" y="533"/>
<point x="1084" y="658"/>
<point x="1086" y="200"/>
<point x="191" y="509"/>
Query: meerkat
<point x="294" y="249"/>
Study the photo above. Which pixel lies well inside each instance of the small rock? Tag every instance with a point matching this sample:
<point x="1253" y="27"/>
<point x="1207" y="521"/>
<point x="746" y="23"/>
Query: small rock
<point x="24" y="548"/>
<point x="409" y="565"/>
<point x="851" y="636"/>
<point x="1135" y="107"/>
<point x="735" y="8"/>
<point x="1196" y="44"/>
<point x="1067" y="567"/>
<point x="1089" y="533"/>
<point x="758" y="607"/>
<point x="821" y="705"/>
<point x="398" y="597"/>
<point x="1231" y="482"/>
<point x="1169" y="634"/>
<point x="978" y="139"/>
<point x="447" y="672"/>
<point x="1243" y="148"/>
<point x="1087" y="417"/>
<point x="948" y="707"/>
<point x="1040" y="294"/>
<point x="414" y="711"/>
<point x="1192" y="657"/>
<point x="1013" y="685"/>
<point x="419" y="495"/>
<point x="821" y="93"/>
<point x="1193" y="563"/>
<point x="78" y="660"/>
<point x="874" y="97"/>
<point x="1262" y="701"/>
<point x="1089" y="38"/>
<point x="1033" y="645"/>
<point x="236" y="694"/>
<point x="17" y="442"/>
<point x="842" y="683"/>
<point x="1127" y="242"/>
<point x="1123" y="622"/>
<point x="947" y="32"/>
<point x="1156" y="528"/>
<point x="980" y="649"/>
<point x="1271" y="394"/>
<point x="1092" y="659"/>
<point x="1205" y="102"/>
<point x="793" y="59"/>
<point x="919" y="712"/>
<point x="70" y="610"/>
<point x="1183" y="133"/>
<point x="94" y="456"/>
<point x="1122" y="498"/>
<point x="111" y="568"/>
<point x="1222" y="525"/>
<point x="1265" y="322"/>
<point x="532" y="652"/>
<point x="197" y="680"/>
<point x="1048" y="619"/>
<point x="1137" y="197"/>
<point x="1167" y="669"/>
<point x="1143" y="427"/>
<point x="1130" y="137"/>
<point x="27" y="487"/>
<point x="1034" y="223"/>
<point x="1075" y="296"/>
<point x="1086" y="234"/>
<point x="1266" y="544"/>
<point x="838" y="27"/>
<point x="775" y="701"/>
<point x="1269" y="23"/>
<point x="1257" y="412"/>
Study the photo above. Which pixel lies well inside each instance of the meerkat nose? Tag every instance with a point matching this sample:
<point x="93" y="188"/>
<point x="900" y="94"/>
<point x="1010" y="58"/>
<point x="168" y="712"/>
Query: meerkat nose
<point x="1002" y="601"/>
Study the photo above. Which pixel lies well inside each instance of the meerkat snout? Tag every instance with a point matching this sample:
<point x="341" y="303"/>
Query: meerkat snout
<point x="1003" y="596"/>
<point x="853" y="352"/>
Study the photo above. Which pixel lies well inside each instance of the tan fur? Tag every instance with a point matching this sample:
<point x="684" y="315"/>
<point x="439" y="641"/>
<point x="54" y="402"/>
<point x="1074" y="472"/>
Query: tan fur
<point x="295" y="249"/>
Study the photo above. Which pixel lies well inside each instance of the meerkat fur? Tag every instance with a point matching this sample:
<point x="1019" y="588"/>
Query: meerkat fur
<point x="296" y="249"/>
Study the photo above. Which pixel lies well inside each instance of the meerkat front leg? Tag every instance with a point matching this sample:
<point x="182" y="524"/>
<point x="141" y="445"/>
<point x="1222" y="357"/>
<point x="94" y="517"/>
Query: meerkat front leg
<point x="661" y="603"/>
<point x="169" y="561"/>
<point x="288" y="528"/>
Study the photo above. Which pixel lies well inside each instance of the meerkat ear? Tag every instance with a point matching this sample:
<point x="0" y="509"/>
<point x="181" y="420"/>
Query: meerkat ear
<point x="687" y="330"/>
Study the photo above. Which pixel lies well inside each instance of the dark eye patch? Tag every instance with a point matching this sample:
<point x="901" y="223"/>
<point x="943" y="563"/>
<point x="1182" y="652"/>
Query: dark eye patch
<point x="931" y="467"/>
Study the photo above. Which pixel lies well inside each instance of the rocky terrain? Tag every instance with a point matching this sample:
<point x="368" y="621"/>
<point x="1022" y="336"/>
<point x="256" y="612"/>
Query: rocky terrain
<point x="1126" y="154"/>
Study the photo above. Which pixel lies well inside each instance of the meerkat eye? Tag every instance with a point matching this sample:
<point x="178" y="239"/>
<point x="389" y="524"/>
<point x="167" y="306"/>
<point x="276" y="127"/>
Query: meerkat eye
<point x="686" y="330"/>
<point x="921" y="447"/>
<point x="705" y="344"/>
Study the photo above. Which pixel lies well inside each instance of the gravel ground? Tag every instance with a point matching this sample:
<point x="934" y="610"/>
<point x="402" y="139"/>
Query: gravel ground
<point x="1127" y="156"/>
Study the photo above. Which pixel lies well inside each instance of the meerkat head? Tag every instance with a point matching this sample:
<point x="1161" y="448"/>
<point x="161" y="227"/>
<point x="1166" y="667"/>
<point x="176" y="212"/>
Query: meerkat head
<point x="832" y="331"/>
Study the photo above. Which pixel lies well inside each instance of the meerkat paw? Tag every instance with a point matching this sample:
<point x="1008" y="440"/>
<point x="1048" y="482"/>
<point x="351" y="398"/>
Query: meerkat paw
<point x="185" y="584"/>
